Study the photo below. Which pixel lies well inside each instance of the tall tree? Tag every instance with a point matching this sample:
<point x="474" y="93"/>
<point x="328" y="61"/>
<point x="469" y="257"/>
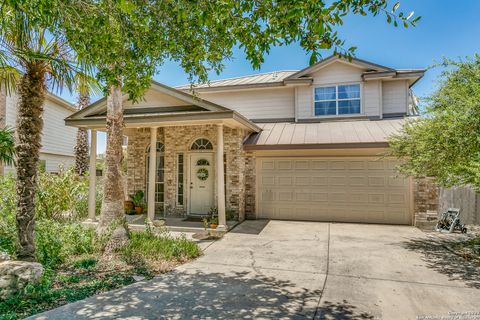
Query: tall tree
<point x="81" y="146"/>
<point x="445" y="142"/>
<point x="43" y="59"/>
<point x="127" y="40"/>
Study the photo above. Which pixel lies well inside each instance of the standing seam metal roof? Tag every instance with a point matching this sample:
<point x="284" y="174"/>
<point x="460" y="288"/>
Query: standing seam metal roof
<point x="269" y="77"/>
<point x="357" y="131"/>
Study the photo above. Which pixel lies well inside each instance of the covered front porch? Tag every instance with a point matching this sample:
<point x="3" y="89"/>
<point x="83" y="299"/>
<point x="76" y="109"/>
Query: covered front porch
<point x="184" y="153"/>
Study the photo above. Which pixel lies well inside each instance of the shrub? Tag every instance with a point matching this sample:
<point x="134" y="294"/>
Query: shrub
<point x="8" y="205"/>
<point x="56" y="241"/>
<point x="62" y="196"/>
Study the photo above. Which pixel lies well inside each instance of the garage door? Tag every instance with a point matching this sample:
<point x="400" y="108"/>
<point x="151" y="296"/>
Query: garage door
<point x="332" y="189"/>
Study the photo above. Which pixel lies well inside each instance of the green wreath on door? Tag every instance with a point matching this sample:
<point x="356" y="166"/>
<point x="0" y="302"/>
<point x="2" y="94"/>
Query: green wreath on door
<point x="202" y="174"/>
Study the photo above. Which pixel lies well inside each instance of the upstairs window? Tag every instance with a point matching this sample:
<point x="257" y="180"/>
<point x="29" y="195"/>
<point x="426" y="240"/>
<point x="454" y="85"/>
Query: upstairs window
<point x="337" y="100"/>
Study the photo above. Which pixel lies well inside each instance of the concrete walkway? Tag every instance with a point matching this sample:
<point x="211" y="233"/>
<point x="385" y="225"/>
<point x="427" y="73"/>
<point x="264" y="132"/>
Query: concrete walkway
<point x="285" y="270"/>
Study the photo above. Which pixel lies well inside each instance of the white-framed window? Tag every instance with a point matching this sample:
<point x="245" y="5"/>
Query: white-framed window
<point x="180" y="177"/>
<point x="336" y="100"/>
<point x="201" y="144"/>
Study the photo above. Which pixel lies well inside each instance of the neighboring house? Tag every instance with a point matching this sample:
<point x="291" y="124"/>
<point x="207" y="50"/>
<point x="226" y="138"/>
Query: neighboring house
<point x="296" y="145"/>
<point x="58" y="139"/>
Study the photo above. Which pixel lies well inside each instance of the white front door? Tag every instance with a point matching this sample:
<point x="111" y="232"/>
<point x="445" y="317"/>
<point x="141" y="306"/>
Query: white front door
<point x="201" y="182"/>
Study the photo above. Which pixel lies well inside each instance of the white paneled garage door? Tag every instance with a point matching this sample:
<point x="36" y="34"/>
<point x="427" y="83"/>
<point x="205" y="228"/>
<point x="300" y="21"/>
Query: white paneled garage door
<point x="332" y="189"/>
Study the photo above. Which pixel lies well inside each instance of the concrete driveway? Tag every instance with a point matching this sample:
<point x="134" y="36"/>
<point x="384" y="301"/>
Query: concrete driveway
<point x="284" y="270"/>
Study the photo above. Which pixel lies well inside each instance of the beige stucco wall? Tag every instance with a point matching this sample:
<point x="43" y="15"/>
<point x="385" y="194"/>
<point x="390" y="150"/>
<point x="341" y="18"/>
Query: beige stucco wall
<point x="178" y="140"/>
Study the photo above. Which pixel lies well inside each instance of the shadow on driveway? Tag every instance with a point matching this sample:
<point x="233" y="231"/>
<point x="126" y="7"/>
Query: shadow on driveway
<point x="238" y="295"/>
<point x="250" y="228"/>
<point x="340" y="311"/>
<point x="442" y="260"/>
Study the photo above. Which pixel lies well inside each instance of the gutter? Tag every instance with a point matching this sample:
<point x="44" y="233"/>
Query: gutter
<point x="316" y="146"/>
<point x="167" y="117"/>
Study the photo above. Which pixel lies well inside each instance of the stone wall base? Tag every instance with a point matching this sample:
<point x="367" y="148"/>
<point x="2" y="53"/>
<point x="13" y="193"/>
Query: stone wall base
<point x="425" y="194"/>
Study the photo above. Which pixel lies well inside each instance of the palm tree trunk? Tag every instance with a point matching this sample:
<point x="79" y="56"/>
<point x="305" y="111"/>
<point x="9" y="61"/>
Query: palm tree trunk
<point x="113" y="192"/>
<point x="32" y="92"/>
<point x="81" y="146"/>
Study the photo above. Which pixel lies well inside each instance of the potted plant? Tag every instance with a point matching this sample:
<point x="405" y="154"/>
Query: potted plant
<point x="137" y="199"/>
<point x="213" y="222"/>
<point x="213" y="217"/>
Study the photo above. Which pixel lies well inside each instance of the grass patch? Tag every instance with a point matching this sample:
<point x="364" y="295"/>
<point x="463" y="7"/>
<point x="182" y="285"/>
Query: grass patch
<point x="158" y="252"/>
<point x="58" y="288"/>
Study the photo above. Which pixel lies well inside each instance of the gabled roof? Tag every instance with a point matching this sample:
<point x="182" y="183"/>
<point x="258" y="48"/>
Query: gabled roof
<point x="302" y="77"/>
<point x="100" y="106"/>
<point x="334" y="58"/>
<point x="188" y="110"/>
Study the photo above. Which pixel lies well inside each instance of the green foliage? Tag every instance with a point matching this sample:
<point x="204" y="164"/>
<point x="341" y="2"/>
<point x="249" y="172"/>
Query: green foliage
<point x="7" y="146"/>
<point x="127" y="40"/>
<point x="445" y="142"/>
<point x="147" y="245"/>
<point x="85" y="263"/>
<point x="62" y="196"/>
<point x="55" y="290"/>
<point x="8" y="205"/>
<point x="57" y="241"/>
<point x="230" y="215"/>
<point x="137" y="198"/>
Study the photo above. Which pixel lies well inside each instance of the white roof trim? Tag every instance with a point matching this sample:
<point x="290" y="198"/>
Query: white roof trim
<point x="100" y="106"/>
<point x="355" y="62"/>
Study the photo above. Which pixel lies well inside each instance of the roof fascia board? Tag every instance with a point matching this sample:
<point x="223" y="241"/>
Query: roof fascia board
<point x="101" y="104"/>
<point x="236" y="87"/>
<point x="359" y="63"/>
<point x="298" y="81"/>
<point x="96" y="107"/>
<point x="62" y="102"/>
<point x="254" y="147"/>
<point x="186" y="97"/>
<point x="179" y="117"/>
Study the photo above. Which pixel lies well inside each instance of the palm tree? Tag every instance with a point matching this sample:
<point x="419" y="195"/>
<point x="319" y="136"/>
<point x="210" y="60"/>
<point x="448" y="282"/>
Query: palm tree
<point x="7" y="146"/>
<point x="81" y="146"/>
<point x="44" y="60"/>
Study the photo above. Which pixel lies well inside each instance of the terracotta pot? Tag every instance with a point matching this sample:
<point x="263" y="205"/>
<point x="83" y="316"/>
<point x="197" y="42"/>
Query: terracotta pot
<point x="213" y="226"/>
<point x="128" y="205"/>
<point x="138" y="210"/>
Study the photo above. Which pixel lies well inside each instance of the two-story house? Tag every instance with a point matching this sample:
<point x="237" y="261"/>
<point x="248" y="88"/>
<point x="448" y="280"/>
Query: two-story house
<point x="58" y="140"/>
<point x="295" y="145"/>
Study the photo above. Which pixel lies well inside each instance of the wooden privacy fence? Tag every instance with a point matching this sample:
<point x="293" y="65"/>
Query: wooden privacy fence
<point x="464" y="198"/>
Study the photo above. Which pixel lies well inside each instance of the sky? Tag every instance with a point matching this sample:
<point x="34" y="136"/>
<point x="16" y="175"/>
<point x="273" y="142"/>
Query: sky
<point x="447" y="29"/>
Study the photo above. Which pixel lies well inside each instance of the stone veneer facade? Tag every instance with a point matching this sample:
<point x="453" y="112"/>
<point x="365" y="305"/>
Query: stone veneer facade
<point x="425" y="199"/>
<point x="425" y="195"/>
<point x="240" y="170"/>
<point x="240" y="181"/>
